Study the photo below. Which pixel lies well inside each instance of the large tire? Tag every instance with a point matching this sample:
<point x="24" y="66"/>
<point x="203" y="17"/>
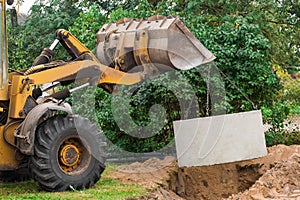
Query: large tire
<point x="64" y="159"/>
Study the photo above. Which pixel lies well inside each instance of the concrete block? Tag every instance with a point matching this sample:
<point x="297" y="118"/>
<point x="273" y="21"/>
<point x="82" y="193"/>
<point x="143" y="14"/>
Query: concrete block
<point x="220" y="139"/>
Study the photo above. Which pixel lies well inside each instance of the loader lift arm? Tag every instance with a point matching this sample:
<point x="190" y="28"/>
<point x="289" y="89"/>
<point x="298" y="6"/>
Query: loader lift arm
<point x="82" y="58"/>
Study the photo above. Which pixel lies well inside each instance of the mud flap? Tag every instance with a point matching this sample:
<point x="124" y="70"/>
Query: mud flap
<point x="220" y="139"/>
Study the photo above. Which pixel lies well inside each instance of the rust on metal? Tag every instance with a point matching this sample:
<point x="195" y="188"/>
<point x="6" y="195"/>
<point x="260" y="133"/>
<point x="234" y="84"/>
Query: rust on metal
<point x="170" y="44"/>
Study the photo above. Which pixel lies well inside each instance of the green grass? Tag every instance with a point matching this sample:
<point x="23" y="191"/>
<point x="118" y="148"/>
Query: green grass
<point x="295" y="110"/>
<point x="106" y="189"/>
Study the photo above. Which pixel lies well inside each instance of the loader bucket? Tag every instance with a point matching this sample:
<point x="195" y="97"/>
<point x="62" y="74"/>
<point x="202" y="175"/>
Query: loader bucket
<point x="169" y="43"/>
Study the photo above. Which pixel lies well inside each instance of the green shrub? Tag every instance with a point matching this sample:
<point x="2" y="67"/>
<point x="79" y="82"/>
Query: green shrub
<point x="282" y="137"/>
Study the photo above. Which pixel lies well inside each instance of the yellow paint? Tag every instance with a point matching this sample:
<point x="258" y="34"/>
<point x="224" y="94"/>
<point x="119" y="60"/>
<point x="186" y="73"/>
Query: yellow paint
<point x="20" y="90"/>
<point x="72" y="42"/>
<point x="8" y="152"/>
<point x="4" y="94"/>
<point x="69" y="72"/>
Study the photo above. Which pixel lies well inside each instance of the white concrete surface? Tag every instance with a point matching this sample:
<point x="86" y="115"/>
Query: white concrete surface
<point x="220" y="139"/>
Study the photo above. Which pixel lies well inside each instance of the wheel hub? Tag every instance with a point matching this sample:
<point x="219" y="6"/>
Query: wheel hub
<point x="70" y="155"/>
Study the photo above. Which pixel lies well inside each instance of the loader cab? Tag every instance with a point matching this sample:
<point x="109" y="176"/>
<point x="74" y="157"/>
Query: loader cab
<point x="3" y="53"/>
<point x="4" y="97"/>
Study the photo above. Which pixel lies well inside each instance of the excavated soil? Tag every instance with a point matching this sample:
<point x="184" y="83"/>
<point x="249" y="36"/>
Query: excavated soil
<point x="275" y="176"/>
<point x="278" y="170"/>
<point x="149" y="174"/>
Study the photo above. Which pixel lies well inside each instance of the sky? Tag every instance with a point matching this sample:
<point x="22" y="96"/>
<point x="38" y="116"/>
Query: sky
<point x="25" y="6"/>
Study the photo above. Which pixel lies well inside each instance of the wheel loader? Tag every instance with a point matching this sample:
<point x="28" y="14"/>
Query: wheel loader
<point x="40" y="136"/>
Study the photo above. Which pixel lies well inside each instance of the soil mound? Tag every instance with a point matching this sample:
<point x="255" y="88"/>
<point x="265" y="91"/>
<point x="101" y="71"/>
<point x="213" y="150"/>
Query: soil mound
<point x="223" y="180"/>
<point x="275" y="176"/>
<point x="150" y="173"/>
<point x="280" y="182"/>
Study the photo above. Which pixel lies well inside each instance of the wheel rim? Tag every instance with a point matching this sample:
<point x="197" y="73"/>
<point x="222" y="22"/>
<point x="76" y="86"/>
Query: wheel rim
<point x="73" y="157"/>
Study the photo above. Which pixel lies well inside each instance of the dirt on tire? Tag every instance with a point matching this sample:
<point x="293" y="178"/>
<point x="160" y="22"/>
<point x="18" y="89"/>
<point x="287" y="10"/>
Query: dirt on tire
<point x="275" y="176"/>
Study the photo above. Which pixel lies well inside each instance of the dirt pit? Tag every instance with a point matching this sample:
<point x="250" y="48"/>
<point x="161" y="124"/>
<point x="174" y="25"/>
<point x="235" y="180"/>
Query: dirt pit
<point x="275" y="176"/>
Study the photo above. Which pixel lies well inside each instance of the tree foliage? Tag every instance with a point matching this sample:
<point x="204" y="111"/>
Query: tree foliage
<point x="27" y="40"/>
